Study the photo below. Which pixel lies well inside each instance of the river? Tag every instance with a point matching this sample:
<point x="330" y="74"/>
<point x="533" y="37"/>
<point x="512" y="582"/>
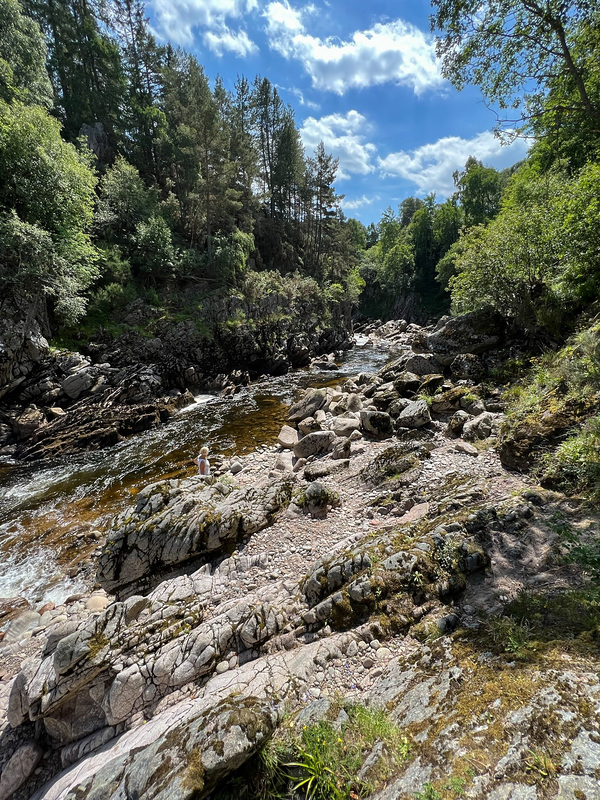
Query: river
<point x="48" y="512"/>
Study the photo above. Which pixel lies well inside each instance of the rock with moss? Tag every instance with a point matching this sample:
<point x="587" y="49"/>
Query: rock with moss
<point x="179" y="521"/>
<point x="415" y="415"/>
<point x="475" y="333"/>
<point x="394" y="462"/>
<point x="376" y="423"/>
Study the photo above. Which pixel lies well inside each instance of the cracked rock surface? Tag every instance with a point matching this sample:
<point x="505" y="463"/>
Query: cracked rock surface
<point x="229" y="606"/>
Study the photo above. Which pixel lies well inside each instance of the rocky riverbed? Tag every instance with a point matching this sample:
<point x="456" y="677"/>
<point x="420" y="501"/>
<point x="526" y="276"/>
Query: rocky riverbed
<point x="371" y="555"/>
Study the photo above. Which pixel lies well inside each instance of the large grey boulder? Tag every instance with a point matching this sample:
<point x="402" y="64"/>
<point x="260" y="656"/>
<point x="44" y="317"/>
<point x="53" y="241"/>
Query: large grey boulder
<point x="343" y="426"/>
<point x="313" y="444"/>
<point x="288" y="437"/>
<point x="376" y="423"/>
<point x="313" y="400"/>
<point x="415" y="415"/>
<point x="474" y="333"/>
<point x="175" y="522"/>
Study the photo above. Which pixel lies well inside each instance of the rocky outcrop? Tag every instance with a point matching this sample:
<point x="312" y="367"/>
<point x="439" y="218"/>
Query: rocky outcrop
<point x="473" y="333"/>
<point x="370" y="566"/>
<point x="177" y="522"/>
<point x="22" y="341"/>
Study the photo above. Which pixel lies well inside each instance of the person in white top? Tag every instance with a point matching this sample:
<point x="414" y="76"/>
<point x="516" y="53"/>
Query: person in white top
<point x="202" y="462"/>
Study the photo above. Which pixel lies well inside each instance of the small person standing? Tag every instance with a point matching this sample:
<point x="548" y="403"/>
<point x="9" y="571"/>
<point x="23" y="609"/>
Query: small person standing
<point x="202" y="462"/>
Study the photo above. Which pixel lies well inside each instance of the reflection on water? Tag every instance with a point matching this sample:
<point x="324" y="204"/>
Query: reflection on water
<point x="46" y="511"/>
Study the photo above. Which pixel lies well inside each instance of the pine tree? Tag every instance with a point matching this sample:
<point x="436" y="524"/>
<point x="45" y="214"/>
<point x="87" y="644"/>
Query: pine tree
<point x="83" y="63"/>
<point x="142" y="62"/>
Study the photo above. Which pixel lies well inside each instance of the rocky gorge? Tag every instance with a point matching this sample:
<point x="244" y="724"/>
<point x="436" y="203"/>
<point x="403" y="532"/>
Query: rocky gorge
<point x="378" y="555"/>
<point x="57" y="402"/>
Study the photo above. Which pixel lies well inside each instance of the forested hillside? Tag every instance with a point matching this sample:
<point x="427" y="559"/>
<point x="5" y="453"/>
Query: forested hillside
<point x="124" y="174"/>
<point x="128" y="172"/>
<point x="526" y="240"/>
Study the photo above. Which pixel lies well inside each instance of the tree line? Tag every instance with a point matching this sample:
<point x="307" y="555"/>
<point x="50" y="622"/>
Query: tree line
<point x="187" y="184"/>
<point x="124" y="172"/>
<point x="525" y="240"/>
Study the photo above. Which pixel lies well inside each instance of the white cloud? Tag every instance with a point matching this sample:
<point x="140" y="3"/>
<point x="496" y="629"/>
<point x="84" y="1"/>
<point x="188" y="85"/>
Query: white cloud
<point x="430" y="166"/>
<point x="344" y="137"/>
<point x="282" y="17"/>
<point x="359" y="202"/>
<point x="298" y="94"/>
<point x="396" y="52"/>
<point x="177" y="19"/>
<point x="224" y="40"/>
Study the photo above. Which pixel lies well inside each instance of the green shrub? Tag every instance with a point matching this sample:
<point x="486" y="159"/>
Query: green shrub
<point x="574" y="465"/>
<point x="321" y="761"/>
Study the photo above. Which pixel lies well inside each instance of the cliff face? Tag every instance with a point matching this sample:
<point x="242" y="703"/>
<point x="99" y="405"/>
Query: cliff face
<point x="22" y="341"/>
<point x="231" y="335"/>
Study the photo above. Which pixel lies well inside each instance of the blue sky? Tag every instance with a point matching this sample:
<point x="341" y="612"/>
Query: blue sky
<point x="361" y="75"/>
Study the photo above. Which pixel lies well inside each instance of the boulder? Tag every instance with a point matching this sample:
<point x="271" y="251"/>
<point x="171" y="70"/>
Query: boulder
<point x="313" y="400"/>
<point x="27" y="423"/>
<point x="285" y="461"/>
<point x="175" y="522"/>
<point x="309" y="425"/>
<point x="288" y="437"/>
<point x="457" y="422"/>
<point x="431" y="383"/>
<point x="322" y="468"/>
<point x="397" y="406"/>
<point x="376" y="423"/>
<point x="343" y="426"/>
<point x="394" y="461"/>
<point x="384" y="397"/>
<point x="482" y="426"/>
<point x="407" y="383"/>
<point x="79" y="382"/>
<point x="474" y="333"/>
<point x="422" y="364"/>
<point x="313" y="443"/>
<point x="415" y="415"/>
<point x="318" y="498"/>
<point x="449" y="400"/>
<point x="468" y="366"/>
<point x="341" y="448"/>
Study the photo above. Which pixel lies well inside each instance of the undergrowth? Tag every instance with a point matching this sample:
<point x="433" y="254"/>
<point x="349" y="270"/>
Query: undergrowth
<point x="323" y="760"/>
<point x="560" y="399"/>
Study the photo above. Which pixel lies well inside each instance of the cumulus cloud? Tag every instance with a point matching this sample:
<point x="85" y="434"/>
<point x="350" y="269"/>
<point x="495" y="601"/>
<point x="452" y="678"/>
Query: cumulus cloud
<point x="177" y="19"/>
<point x="395" y="52"/>
<point x="359" y="202"/>
<point x="225" y="40"/>
<point x="430" y="167"/>
<point x="344" y="137"/>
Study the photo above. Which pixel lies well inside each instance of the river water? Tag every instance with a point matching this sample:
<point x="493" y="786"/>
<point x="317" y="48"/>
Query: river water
<point x="47" y="511"/>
